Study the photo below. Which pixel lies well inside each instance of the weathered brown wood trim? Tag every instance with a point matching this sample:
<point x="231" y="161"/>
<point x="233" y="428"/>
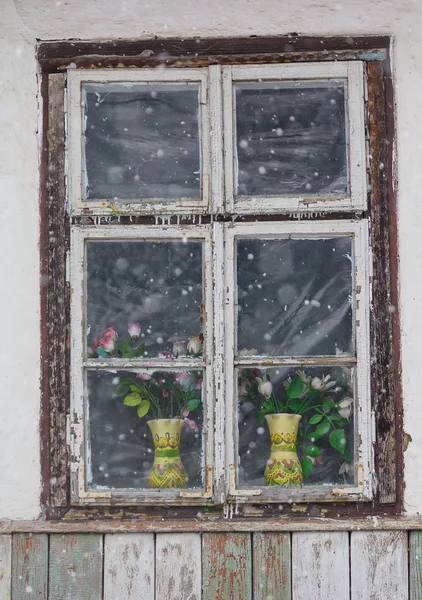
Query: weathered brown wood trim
<point x="384" y="313"/>
<point x="55" y="303"/>
<point x="212" y="525"/>
<point x="55" y="292"/>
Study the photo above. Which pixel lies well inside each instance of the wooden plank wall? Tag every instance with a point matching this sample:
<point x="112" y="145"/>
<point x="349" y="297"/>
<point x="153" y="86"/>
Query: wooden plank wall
<point x="361" y="565"/>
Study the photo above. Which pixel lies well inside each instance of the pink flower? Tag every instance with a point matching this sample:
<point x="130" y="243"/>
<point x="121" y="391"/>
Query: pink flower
<point x="144" y="376"/>
<point x="198" y="384"/>
<point x="107" y="344"/>
<point x="110" y="332"/>
<point x="134" y="330"/>
<point x="191" y="423"/>
<point x="181" y="376"/>
<point x="185" y="412"/>
<point x="165" y="393"/>
<point x="95" y="345"/>
<point x="164" y="354"/>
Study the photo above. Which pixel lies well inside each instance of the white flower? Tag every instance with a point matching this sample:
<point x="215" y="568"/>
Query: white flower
<point x="179" y="348"/>
<point x="194" y="345"/>
<point x="251" y="352"/>
<point x="345" y="407"/>
<point x="317" y="383"/>
<point x="134" y="330"/>
<point x="265" y="387"/>
<point x="345" y="468"/>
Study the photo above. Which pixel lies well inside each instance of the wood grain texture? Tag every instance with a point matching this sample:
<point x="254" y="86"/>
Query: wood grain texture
<point x="76" y="567"/>
<point x="271" y="566"/>
<point x="379" y="565"/>
<point x="415" y="565"/>
<point x="320" y="566"/>
<point x="227" y="566"/>
<point x="30" y="566"/>
<point x="178" y="566"/>
<point x="129" y="561"/>
<point x="5" y="566"/>
<point x="383" y="361"/>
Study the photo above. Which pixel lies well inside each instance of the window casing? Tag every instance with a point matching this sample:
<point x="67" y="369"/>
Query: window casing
<point x="113" y="217"/>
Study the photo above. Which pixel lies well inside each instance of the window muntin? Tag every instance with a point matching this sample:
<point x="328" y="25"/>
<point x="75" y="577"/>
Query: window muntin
<point x="220" y="377"/>
<point x="260" y="94"/>
<point x="353" y="364"/>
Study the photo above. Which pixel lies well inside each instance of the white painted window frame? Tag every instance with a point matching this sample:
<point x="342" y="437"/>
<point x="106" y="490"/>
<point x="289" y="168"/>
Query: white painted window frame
<point x="209" y="81"/>
<point x="358" y="229"/>
<point x="352" y="72"/>
<point x="79" y="462"/>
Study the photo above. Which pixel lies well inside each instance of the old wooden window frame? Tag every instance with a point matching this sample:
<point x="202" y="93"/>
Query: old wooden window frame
<point x="385" y="389"/>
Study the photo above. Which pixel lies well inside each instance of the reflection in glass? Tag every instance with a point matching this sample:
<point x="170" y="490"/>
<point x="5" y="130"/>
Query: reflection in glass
<point x="120" y="440"/>
<point x="154" y="285"/>
<point x="291" y="138"/>
<point x="324" y="398"/>
<point x="294" y="296"/>
<point x="141" y="141"/>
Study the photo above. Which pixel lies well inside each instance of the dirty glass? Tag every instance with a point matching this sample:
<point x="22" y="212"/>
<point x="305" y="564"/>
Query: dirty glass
<point x="144" y="299"/>
<point x="141" y="140"/>
<point x="325" y="442"/>
<point x="291" y="138"/>
<point x="120" y="446"/>
<point x="294" y="296"/>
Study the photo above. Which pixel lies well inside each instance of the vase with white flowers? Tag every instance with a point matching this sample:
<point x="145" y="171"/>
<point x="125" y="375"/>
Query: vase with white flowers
<point x="306" y="414"/>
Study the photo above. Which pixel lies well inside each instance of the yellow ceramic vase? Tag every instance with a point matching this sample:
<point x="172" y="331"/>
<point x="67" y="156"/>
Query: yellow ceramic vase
<point x="168" y="470"/>
<point x="283" y="466"/>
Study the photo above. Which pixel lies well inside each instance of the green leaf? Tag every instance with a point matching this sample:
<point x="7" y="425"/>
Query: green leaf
<point x="260" y="417"/>
<point x="101" y="352"/>
<point x="315" y="419"/>
<point x="295" y="388"/>
<point x="312" y="451"/>
<point x="135" y="388"/>
<point x="268" y="406"/>
<point x="143" y="408"/>
<point x="306" y="467"/>
<point x="140" y="350"/>
<point x="322" y="429"/>
<point x="132" y="399"/>
<point x="127" y="354"/>
<point x="336" y="417"/>
<point x="294" y="406"/>
<point x="124" y="346"/>
<point x="122" y="389"/>
<point x="337" y="440"/>
<point x="192" y="404"/>
<point x="327" y="404"/>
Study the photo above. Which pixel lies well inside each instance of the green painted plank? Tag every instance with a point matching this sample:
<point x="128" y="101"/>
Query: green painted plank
<point x="226" y="566"/>
<point x="76" y="567"/>
<point x="272" y="578"/>
<point x="415" y="565"/>
<point x="5" y="566"/>
<point x="29" y="566"/>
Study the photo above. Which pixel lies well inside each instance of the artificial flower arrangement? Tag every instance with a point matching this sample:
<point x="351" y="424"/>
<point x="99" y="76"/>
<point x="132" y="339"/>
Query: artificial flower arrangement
<point x="324" y="404"/>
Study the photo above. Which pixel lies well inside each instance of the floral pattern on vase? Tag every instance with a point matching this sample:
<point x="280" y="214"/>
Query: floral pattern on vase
<point x="283" y="467"/>
<point x="168" y="470"/>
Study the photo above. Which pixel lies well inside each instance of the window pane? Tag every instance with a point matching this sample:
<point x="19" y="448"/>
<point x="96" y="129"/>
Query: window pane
<point x="325" y="442"/>
<point x="294" y="296"/>
<point x="121" y="444"/>
<point x="141" y="141"/>
<point x="155" y="285"/>
<point x="291" y="138"/>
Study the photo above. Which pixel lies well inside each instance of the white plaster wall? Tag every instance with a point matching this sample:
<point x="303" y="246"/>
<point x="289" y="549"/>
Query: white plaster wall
<point x="21" y="23"/>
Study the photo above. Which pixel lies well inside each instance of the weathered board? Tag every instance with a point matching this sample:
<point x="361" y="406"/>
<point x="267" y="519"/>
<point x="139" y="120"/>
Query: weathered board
<point x="129" y="566"/>
<point x="379" y="565"/>
<point x="76" y="567"/>
<point x="415" y="563"/>
<point x="30" y="566"/>
<point x="178" y="566"/>
<point x="271" y="566"/>
<point x="320" y="566"/>
<point x="5" y="566"/>
<point x="227" y="566"/>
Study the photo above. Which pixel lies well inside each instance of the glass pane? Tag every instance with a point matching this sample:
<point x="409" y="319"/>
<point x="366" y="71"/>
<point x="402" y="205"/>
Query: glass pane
<point x="141" y="141"/>
<point x="121" y="444"/>
<point x="295" y="296"/>
<point x="323" y="396"/>
<point x="144" y="299"/>
<point x="291" y="138"/>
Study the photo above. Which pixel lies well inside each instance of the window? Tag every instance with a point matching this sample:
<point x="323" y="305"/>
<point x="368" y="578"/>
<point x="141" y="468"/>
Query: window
<point x="221" y="276"/>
